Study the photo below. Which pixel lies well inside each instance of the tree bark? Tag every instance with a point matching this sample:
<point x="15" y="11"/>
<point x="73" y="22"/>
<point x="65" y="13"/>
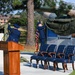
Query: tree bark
<point x="30" y="15"/>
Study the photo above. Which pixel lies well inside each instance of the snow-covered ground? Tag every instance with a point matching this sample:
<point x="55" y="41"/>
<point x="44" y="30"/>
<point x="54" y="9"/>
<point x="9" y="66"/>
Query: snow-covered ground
<point x="27" y="70"/>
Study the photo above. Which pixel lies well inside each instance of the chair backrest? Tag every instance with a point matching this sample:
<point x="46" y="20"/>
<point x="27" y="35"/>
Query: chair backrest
<point x="43" y="47"/>
<point x="69" y="50"/>
<point x="52" y="48"/>
<point x="60" y="49"/>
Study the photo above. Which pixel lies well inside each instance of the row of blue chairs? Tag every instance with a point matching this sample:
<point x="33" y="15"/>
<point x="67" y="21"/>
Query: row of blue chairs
<point x="56" y="54"/>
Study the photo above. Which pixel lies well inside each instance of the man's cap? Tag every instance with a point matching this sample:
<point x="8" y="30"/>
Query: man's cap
<point x="16" y="25"/>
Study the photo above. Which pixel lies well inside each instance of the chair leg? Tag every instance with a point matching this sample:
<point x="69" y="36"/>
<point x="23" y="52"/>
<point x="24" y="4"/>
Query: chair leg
<point x="54" y="64"/>
<point x="48" y="64"/>
<point x="73" y="66"/>
<point x="57" y="65"/>
<point x="41" y="63"/>
<point x="45" y="65"/>
<point x="64" y="66"/>
<point x="30" y="62"/>
<point x="37" y="63"/>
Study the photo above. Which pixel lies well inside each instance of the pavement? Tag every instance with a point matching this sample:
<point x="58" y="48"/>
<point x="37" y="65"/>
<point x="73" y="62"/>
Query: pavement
<point x="25" y="68"/>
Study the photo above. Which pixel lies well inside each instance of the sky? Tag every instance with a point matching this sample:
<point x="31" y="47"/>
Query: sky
<point x="72" y="1"/>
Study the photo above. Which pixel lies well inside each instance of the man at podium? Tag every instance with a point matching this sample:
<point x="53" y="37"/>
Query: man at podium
<point x="14" y="33"/>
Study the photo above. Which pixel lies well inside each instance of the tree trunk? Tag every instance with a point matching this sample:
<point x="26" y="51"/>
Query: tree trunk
<point x="30" y="32"/>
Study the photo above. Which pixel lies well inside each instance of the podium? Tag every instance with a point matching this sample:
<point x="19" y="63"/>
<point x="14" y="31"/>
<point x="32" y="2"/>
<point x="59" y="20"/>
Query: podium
<point x="11" y="54"/>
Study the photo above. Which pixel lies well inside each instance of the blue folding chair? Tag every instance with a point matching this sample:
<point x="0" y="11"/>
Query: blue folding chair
<point x="43" y="49"/>
<point x="67" y="57"/>
<point x="42" y="55"/>
<point x="59" y="51"/>
<point x="51" y="49"/>
<point x="51" y="54"/>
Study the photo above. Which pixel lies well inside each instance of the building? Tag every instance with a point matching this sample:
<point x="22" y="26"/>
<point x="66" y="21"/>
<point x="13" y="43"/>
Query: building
<point x="4" y="19"/>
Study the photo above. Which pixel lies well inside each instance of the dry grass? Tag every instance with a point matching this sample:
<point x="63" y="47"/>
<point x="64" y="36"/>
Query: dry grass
<point x="29" y="48"/>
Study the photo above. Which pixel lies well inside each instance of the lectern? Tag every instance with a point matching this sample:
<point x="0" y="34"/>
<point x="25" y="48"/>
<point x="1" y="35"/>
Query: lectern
<point x="11" y="56"/>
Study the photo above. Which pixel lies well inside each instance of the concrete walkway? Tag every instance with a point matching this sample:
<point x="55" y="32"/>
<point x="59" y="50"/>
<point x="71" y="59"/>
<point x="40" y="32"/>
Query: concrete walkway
<point x="27" y="70"/>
